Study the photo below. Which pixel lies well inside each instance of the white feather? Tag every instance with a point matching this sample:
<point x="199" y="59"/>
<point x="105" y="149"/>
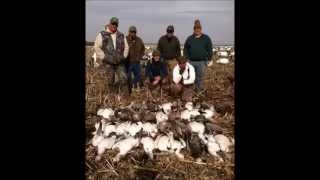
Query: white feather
<point x="106" y="143"/>
<point x="189" y="106"/>
<point x="96" y="140"/>
<point x="148" y="145"/>
<point x="162" y="143"/>
<point x="166" y="107"/>
<point x="223" y="142"/>
<point x="185" y="114"/>
<point x="197" y="127"/>
<point x="134" y="128"/>
<point x="223" y="60"/>
<point x="105" y="113"/>
<point x="121" y="129"/>
<point x="108" y="128"/>
<point x="149" y="128"/>
<point x="125" y="146"/>
<point x="160" y="116"/>
<point x="209" y="113"/>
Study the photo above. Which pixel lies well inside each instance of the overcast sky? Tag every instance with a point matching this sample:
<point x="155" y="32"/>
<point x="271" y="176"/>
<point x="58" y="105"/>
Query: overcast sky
<point x="152" y="17"/>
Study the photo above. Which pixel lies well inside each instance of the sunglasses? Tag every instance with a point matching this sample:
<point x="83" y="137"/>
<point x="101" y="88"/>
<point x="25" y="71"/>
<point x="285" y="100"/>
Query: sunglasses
<point x="115" y="24"/>
<point x="133" y="31"/>
<point x="169" y="31"/>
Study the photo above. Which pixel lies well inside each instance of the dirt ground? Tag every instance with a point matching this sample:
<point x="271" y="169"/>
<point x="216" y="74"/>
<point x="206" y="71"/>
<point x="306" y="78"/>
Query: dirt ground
<point x="219" y="85"/>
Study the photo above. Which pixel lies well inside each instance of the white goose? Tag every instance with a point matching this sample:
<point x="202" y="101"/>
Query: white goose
<point x="125" y="146"/>
<point x="212" y="146"/>
<point x="148" y="145"/>
<point x="162" y="143"/>
<point x="209" y="113"/>
<point x="176" y="146"/>
<point x="150" y="129"/>
<point x="108" y="128"/>
<point x="161" y="116"/>
<point x="166" y="107"/>
<point x="134" y="128"/>
<point x="104" y="144"/>
<point x="121" y="128"/>
<point x="105" y="113"/>
<point x="223" y="142"/>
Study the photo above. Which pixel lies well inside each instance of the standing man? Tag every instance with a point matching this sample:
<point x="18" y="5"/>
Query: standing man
<point x="112" y="48"/>
<point x="136" y="52"/>
<point x="198" y="49"/>
<point x="169" y="47"/>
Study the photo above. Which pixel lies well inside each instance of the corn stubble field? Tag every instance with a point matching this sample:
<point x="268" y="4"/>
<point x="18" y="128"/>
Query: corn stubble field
<point x="219" y="85"/>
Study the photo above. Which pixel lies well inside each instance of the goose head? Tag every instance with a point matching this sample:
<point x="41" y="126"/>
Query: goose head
<point x="166" y="107"/>
<point x="189" y="106"/>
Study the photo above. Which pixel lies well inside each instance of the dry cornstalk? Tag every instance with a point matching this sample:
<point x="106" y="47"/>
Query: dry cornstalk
<point x="144" y="168"/>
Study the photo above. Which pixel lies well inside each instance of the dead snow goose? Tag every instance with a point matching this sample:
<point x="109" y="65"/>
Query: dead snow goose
<point x="208" y="113"/>
<point x="148" y="117"/>
<point x="196" y="146"/>
<point x="166" y="107"/>
<point x="121" y="128"/>
<point x="105" y="113"/>
<point x="106" y="143"/>
<point x="189" y="106"/>
<point x="212" y="146"/>
<point x="134" y="128"/>
<point x="223" y="60"/>
<point x="196" y="127"/>
<point x="108" y="129"/>
<point x="150" y="129"/>
<point x="125" y="146"/>
<point x="223" y="142"/>
<point x="185" y="115"/>
<point x="98" y="137"/>
<point x="176" y="146"/>
<point x="123" y="114"/>
<point x="148" y="146"/>
<point x="161" y="116"/>
<point x="162" y="143"/>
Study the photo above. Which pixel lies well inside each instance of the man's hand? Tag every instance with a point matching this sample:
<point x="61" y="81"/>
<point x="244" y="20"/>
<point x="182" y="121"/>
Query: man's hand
<point x="156" y="80"/>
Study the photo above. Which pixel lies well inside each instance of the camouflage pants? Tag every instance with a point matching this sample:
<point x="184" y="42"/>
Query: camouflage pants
<point x="170" y="65"/>
<point x="185" y="91"/>
<point x="116" y="78"/>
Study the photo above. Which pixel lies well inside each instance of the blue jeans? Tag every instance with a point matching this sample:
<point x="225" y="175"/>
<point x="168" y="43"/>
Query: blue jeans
<point x="136" y="70"/>
<point x="199" y="67"/>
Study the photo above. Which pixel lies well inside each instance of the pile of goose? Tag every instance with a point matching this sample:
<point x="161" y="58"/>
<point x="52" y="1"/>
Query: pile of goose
<point x="169" y="127"/>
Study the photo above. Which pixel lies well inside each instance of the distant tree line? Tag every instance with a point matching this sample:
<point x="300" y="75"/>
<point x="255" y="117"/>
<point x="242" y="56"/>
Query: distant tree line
<point x="88" y="43"/>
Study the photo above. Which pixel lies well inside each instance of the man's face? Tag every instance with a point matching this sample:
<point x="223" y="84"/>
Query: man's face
<point x="113" y="27"/>
<point x="169" y="34"/>
<point x="182" y="65"/>
<point x="156" y="58"/>
<point x="197" y="31"/>
<point x="132" y="34"/>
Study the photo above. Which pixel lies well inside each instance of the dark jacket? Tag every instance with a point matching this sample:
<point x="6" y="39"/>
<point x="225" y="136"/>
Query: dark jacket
<point x="198" y="49"/>
<point x="154" y="69"/>
<point x="169" y="48"/>
<point x="136" y="49"/>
